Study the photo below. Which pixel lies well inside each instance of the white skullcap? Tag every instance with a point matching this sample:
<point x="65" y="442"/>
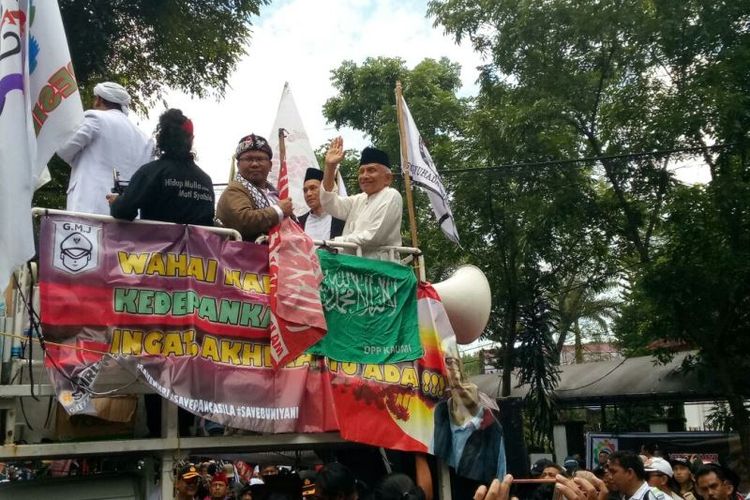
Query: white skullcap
<point x="113" y="92"/>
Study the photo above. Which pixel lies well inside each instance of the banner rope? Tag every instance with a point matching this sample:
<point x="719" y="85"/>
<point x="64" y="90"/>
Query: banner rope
<point x="62" y="372"/>
<point x="48" y="342"/>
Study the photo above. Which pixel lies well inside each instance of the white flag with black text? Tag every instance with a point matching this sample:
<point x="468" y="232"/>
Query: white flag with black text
<point x="425" y="175"/>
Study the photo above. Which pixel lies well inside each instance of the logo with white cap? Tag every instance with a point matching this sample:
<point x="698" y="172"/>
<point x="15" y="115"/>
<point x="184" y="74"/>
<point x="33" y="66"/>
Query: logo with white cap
<point x="76" y="247"/>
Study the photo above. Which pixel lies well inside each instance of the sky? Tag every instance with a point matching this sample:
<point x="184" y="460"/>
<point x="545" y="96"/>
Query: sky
<point x="300" y="42"/>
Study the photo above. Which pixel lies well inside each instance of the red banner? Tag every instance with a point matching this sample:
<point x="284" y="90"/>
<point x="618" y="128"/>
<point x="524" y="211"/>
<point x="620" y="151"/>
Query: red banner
<point x="188" y="313"/>
<point x="297" y="319"/>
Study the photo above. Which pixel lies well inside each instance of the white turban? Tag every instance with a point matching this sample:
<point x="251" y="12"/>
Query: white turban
<point x="113" y="92"/>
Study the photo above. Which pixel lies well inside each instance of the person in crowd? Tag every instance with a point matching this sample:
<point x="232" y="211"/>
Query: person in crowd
<point x="317" y="223"/>
<point x="106" y="140"/>
<point x="254" y="489"/>
<point x="497" y="490"/>
<point x="714" y="482"/>
<point x="584" y="486"/>
<point x="172" y="188"/>
<point x="603" y="456"/>
<point x="219" y="487"/>
<point x="308" y="478"/>
<point x="397" y="487"/>
<point x="660" y="477"/>
<point x="625" y="472"/>
<point x="336" y="481"/>
<point x="467" y="435"/>
<point x="650" y="450"/>
<point x="683" y="475"/>
<point x="250" y="204"/>
<point x="546" y="469"/>
<point x="373" y="217"/>
<point x="571" y="464"/>
<point x="187" y="482"/>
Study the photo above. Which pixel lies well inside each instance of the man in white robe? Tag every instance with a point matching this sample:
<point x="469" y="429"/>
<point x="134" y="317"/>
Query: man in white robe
<point x="373" y="217"/>
<point x="106" y="140"/>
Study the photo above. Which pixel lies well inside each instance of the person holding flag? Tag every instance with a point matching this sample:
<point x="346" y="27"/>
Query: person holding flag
<point x="106" y="140"/>
<point x="250" y="204"/>
<point x="373" y="217"/>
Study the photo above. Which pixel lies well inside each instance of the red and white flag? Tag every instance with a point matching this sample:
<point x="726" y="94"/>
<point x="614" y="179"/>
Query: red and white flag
<point x="297" y="319"/>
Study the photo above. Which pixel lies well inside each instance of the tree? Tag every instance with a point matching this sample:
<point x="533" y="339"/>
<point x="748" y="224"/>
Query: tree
<point x="148" y="46"/>
<point x="697" y="288"/>
<point x="190" y="45"/>
<point x="537" y="360"/>
<point x="613" y="78"/>
<point x="366" y="101"/>
<point x="526" y="228"/>
<point x="580" y="301"/>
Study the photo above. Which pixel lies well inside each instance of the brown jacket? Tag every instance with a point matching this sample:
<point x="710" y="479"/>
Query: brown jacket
<point x="236" y="210"/>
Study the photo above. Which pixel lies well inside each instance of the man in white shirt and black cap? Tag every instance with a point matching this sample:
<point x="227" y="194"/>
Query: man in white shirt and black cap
<point x="106" y="140"/>
<point x="373" y="217"/>
<point x="319" y="224"/>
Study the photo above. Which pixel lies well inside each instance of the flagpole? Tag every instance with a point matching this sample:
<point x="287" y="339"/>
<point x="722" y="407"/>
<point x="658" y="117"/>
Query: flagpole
<point x="283" y="191"/>
<point x="405" y="172"/>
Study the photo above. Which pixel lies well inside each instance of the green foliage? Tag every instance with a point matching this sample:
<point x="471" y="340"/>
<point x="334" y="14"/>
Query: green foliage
<point x="472" y="365"/>
<point x="697" y="288"/>
<point x="633" y="417"/>
<point x="590" y="78"/>
<point x="719" y="418"/>
<point x="149" y="46"/>
<point x="366" y="101"/>
<point x="537" y="360"/>
<point x="191" y="45"/>
<point x="53" y="194"/>
<point x="606" y="78"/>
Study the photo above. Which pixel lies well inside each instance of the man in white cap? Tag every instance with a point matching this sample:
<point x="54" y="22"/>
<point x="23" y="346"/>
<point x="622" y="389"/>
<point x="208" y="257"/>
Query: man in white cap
<point x="659" y="476"/>
<point x="106" y="140"/>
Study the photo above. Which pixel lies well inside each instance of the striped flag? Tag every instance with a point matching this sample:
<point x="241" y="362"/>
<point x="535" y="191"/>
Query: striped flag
<point x="425" y="175"/>
<point x="297" y="319"/>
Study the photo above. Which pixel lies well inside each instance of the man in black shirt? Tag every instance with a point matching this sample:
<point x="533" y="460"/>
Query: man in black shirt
<point x="172" y="188"/>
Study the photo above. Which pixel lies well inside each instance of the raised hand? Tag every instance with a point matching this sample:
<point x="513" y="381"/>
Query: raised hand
<point x="335" y="153"/>
<point x="497" y="490"/>
<point x="582" y="487"/>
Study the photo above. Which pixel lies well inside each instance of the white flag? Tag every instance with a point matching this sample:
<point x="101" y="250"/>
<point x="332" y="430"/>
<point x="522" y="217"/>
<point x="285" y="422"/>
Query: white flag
<point x="425" y="175"/>
<point x="299" y="152"/>
<point x="40" y="107"/>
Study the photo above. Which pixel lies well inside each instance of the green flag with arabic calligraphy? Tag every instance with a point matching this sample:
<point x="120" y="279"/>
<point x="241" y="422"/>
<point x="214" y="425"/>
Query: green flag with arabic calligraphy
<point x="371" y="310"/>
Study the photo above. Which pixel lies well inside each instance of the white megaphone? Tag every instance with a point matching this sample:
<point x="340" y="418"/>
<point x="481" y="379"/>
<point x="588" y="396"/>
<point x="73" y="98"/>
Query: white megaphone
<point x="467" y="300"/>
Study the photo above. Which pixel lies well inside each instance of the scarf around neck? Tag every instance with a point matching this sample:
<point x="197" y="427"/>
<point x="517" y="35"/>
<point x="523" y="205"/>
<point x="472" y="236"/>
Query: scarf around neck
<point x="260" y="199"/>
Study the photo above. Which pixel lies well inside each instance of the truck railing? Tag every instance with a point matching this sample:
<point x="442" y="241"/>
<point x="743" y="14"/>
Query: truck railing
<point x="170" y="446"/>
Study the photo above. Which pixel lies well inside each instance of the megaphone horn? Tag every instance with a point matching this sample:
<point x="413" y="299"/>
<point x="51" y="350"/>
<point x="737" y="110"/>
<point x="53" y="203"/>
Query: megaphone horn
<point x="467" y="300"/>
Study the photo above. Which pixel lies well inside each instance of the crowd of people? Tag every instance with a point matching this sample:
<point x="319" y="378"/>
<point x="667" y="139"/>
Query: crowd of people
<point x="624" y="475"/>
<point x="621" y="475"/>
<point x="333" y="481"/>
<point x="165" y="184"/>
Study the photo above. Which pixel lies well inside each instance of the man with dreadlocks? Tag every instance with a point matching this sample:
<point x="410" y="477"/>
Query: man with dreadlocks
<point x="172" y="188"/>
